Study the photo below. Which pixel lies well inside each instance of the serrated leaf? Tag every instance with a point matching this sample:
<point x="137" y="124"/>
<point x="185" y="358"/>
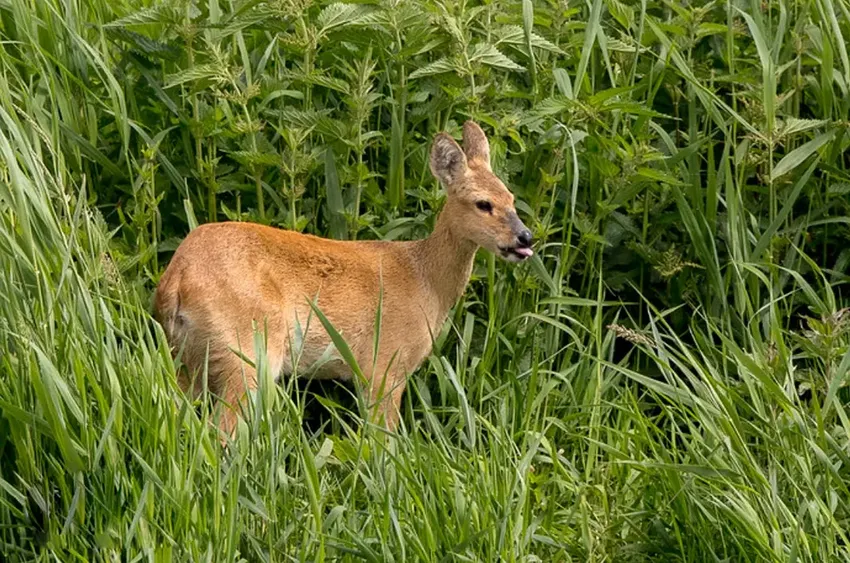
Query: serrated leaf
<point x="623" y="46"/>
<point x="625" y="15"/>
<point x="415" y="49"/>
<point x="633" y="108"/>
<point x="706" y="29"/>
<point x="451" y="24"/>
<point x="239" y="22"/>
<point x="437" y="67"/>
<point x="489" y="55"/>
<point x="515" y="35"/>
<point x="792" y="125"/>
<point x="341" y="15"/>
<point x="547" y="107"/>
<point x="310" y="119"/>
<point x="161" y="14"/>
<point x="145" y="44"/>
<point x="201" y="72"/>
<point x="335" y="14"/>
<point x="658" y="176"/>
<point x="255" y="158"/>
<point x="328" y="82"/>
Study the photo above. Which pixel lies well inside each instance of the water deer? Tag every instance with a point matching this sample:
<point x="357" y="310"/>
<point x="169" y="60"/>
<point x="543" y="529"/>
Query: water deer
<point x="226" y="279"/>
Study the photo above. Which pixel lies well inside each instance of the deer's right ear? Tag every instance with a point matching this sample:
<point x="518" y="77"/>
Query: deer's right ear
<point x="475" y="144"/>
<point x="448" y="162"/>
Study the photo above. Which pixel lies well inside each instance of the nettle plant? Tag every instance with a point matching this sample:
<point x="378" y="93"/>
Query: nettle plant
<point x="642" y="155"/>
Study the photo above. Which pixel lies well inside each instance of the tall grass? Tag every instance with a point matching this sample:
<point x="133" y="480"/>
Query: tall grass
<point x="665" y="381"/>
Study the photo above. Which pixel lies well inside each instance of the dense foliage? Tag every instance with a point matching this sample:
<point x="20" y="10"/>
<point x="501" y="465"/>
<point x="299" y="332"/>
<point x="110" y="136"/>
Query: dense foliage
<point x="664" y="381"/>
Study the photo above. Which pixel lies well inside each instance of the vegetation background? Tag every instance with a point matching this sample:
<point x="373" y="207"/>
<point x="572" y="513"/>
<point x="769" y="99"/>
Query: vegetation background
<point x="665" y="381"/>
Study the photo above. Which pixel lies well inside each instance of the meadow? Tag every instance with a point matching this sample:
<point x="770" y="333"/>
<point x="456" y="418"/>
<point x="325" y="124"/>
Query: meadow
<point x="666" y="380"/>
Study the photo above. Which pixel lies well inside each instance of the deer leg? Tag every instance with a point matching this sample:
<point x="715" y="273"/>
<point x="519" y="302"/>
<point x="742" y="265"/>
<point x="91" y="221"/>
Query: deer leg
<point x="191" y="386"/>
<point x="384" y="396"/>
<point x="231" y="381"/>
<point x="190" y="375"/>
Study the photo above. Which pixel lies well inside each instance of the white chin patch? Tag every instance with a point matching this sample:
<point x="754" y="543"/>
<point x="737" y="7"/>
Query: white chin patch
<point x="516" y="254"/>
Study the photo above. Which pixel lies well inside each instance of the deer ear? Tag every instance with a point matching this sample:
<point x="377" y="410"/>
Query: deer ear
<point x="475" y="143"/>
<point x="448" y="163"/>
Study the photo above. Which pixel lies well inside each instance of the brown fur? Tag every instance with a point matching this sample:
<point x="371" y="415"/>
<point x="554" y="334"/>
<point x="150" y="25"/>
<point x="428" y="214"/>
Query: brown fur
<point x="225" y="278"/>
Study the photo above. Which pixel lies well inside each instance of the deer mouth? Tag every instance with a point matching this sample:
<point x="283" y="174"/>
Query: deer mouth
<point x="516" y="253"/>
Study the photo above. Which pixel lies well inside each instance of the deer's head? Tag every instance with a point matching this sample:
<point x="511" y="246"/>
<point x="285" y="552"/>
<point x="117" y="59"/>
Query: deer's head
<point x="479" y="207"/>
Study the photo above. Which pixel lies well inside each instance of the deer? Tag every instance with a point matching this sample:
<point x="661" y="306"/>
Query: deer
<point x="225" y="279"/>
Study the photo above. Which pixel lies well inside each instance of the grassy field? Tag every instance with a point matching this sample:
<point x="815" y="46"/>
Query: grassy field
<point x="667" y="380"/>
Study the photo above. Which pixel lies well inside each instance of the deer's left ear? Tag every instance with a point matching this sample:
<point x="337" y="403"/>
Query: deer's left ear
<point x="475" y="144"/>
<point x="448" y="162"/>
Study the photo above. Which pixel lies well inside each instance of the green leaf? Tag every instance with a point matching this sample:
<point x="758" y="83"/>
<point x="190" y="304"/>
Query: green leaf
<point x="590" y="33"/>
<point x="799" y="155"/>
<point x="792" y="125"/>
<point x="190" y="214"/>
<point x="213" y="72"/>
<point x="162" y="14"/>
<point x="706" y="28"/>
<point x="516" y="36"/>
<point x="395" y="181"/>
<point x="336" y="208"/>
<point x="340" y="15"/>
<point x="339" y="342"/>
<point x="787" y="207"/>
<point x="562" y="80"/>
<point x="437" y="67"/>
<point x="489" y="55"/>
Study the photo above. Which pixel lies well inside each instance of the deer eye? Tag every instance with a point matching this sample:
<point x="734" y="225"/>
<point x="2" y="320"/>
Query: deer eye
<point x="485" y="206"/>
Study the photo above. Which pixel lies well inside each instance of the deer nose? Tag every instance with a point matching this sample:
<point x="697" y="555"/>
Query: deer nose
<point x="524" y="238"/>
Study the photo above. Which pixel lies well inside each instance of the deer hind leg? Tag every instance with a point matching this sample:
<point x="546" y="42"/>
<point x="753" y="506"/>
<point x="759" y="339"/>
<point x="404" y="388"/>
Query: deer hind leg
<point x="188" y="360"/>
<point x="384" y="398"/>
<point x="191" y="382"/>
<point x="233" y="385"/>
<point x="230" y="380"/>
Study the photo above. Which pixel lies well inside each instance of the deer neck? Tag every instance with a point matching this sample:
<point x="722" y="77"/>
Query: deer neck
<point x="445" y="263"/>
